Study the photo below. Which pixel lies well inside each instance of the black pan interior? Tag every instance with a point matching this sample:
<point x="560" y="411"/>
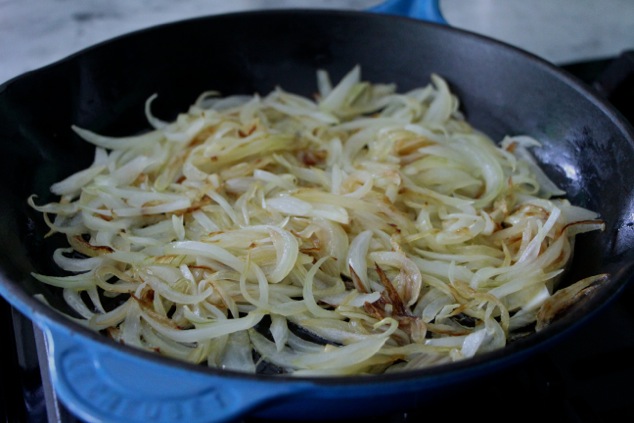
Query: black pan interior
<point x="588" y="150"/>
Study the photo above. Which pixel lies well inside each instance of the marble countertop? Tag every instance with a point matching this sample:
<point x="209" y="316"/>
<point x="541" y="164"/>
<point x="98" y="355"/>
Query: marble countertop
<point x="34" y="33"/>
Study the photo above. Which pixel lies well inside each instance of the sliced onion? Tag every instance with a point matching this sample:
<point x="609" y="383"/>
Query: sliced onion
<point x="385" y="227"/>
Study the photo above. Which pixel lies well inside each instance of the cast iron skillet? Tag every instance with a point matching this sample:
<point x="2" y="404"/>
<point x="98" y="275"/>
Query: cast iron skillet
<point x="588" y="150"/>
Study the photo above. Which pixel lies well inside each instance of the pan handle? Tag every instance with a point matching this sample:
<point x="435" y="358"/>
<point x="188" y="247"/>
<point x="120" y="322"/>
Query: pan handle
<point x="99" y="383"/>
<point x="426" y="10"/>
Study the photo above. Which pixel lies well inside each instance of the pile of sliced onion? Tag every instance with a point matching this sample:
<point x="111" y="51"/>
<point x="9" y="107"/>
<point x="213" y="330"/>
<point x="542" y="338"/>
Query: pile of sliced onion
<point x="360" y="232"/>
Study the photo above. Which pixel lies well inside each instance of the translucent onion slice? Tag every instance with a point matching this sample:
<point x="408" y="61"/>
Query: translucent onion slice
<point x="377" y="231"/>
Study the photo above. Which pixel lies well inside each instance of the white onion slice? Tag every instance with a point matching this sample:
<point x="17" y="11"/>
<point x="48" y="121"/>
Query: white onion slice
<point x="377" y="231"/>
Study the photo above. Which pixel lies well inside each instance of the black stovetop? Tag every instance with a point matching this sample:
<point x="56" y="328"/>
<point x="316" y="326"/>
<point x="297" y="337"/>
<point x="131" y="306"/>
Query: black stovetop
<point x="585" y="378"/>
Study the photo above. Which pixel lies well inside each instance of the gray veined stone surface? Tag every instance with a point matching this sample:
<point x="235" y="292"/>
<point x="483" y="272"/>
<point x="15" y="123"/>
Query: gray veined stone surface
<point x="34" y="33"/>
